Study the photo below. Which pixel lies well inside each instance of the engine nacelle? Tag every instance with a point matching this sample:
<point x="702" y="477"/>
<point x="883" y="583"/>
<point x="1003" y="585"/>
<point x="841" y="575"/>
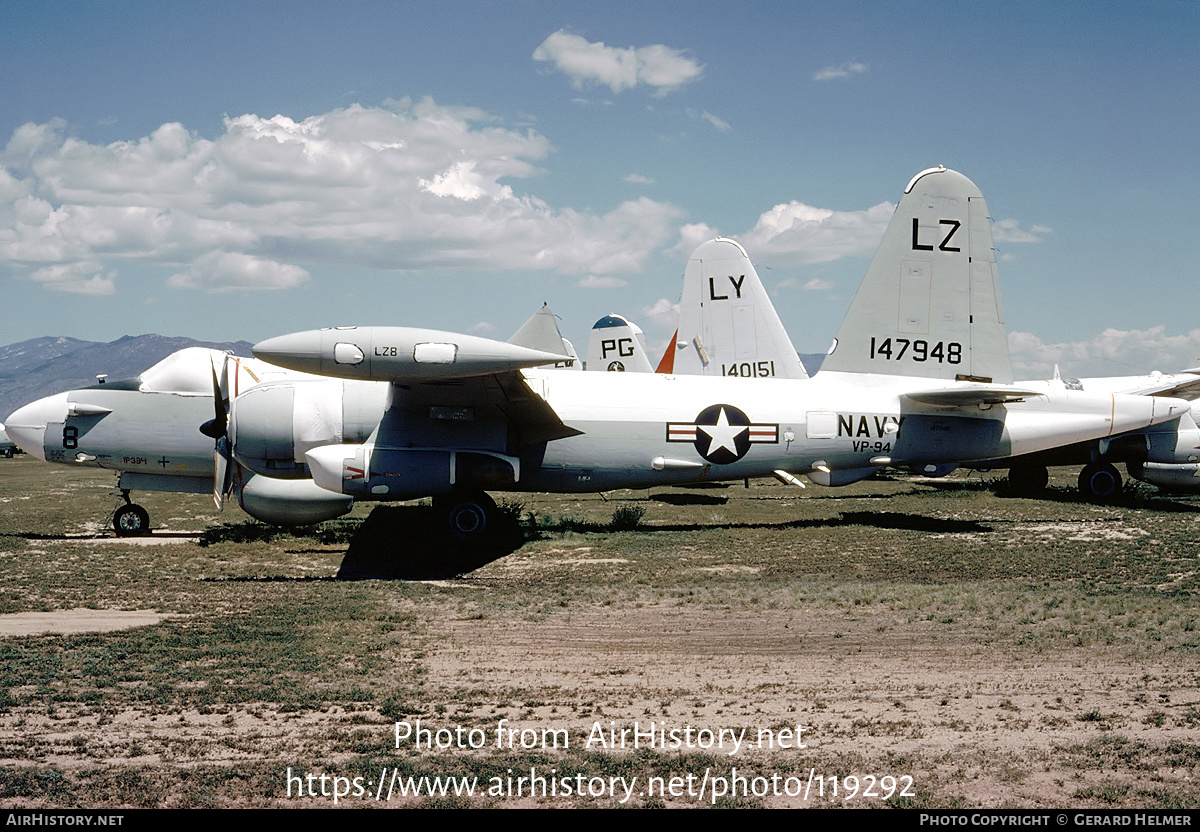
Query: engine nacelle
<point x="1175" y="443"/>
<point x="379" y="473"/>
<point x="273" y="425"/>
<point x="290" y="502"/>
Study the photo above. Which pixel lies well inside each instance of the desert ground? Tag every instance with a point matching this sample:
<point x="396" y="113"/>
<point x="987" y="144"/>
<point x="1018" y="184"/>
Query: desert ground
<point x="901" y="642"/>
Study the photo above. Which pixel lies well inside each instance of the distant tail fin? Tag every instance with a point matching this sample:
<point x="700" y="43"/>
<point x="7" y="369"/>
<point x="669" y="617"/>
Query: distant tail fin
<point x="929" y="305"/>
<point x="617" y="345"/>
<point x="727" y="324"/>
<point x="541" y="332"/>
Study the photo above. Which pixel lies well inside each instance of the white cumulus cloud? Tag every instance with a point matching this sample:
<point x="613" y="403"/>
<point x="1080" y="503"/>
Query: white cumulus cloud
<point x="402" y="187"/>
<point x="798" y="234"/>
<point x="225" y="271"/>
<point x="1010" y="231"/>
<point x="662" y="312"/>
<point x="657" y="66"/>
<point x="1114" y="352"/>
<point x="76" y="279"/>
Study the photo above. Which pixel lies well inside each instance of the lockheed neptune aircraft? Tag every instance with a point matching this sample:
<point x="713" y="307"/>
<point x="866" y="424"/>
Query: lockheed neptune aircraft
<point x="919" y="375"/>
<point x="148" y="428"/>
<point x="728" y="326"/>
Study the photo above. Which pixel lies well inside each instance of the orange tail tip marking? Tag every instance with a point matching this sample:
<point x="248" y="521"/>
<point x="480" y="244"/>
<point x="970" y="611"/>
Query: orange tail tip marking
<point x="667" y="365"/>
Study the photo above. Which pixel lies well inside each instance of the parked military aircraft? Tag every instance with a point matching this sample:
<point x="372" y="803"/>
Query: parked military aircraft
<point x="397" y="413"/>
<point x="721" y="288"/>
<point x="158" y="429"/>
<point x="919" y="374"/>
<point x="617" y="346"/>
<point x="7" y="446"/>
<point x="1166" y="455"/>
<point x="146" y="428"/>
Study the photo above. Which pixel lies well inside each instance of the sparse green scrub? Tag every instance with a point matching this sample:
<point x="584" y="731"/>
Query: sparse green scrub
<point x="885" y="571"/>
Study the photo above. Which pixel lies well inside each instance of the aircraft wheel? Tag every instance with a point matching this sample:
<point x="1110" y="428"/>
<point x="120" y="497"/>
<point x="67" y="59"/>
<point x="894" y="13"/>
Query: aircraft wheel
<point x="468" y="516"/>
<point x="1028" y="479"/>
<point x="1100" y="481"/>
<point x="8" y="453"/>
<point x="131" y="520"/>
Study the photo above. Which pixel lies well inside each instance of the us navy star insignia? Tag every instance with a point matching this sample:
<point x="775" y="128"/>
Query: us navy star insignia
<point x="722" y="433"/>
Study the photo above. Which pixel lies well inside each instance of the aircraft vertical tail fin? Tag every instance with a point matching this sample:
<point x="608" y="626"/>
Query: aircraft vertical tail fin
<point x="929" y="305"/>
<point x="617" y="345"/>
<point x="727" y="323"/>
<point x="541" y="332"/>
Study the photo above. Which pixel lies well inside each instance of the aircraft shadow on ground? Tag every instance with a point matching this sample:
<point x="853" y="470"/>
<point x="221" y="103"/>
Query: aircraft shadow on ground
<point x="909" y="522"/>
<point x="162" y="534"/>
<point x="412" y="543"/>
<point x="690" y="499"/>
<point x="408" y="543"/>
<point x="1129" y="498"/>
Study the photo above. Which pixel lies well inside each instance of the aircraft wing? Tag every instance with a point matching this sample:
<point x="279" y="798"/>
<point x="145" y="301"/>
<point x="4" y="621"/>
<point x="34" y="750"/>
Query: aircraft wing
<point x="530" y="419"/>
<point x="439" y="378"/>
<point x="971" y="396"/>
<point x="1187" y="389"/>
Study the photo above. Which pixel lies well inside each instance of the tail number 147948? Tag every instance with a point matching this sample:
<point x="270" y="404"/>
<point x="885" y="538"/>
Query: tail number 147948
<point x="949" y="352"/>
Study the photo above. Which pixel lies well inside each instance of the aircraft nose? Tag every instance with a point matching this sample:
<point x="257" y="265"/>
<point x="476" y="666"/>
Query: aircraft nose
<point x="27" y="425"/>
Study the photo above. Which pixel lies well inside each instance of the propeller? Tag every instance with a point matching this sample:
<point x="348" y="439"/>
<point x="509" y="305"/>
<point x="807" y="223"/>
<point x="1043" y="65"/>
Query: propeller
<point x="217" y="429"/>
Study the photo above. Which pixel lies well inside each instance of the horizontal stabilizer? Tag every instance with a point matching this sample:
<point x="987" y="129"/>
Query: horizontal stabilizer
<point x="392" y="353"/>
<point x="972" y="396"/>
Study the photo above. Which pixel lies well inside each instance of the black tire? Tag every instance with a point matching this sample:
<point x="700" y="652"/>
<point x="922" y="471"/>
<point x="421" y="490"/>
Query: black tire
<point x="469" y="517"/>
<point x="1100" y="482"/>
<point x="131" y="521"/>
<point x="8" y="453"/>
<point x="1028" y="478"/>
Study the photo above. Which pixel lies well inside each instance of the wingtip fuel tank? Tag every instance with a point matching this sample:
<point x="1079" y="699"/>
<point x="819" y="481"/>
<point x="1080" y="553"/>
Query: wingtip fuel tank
<point x="388" y="353"/>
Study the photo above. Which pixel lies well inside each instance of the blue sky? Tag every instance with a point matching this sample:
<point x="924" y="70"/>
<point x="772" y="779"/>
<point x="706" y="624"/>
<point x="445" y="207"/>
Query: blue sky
<point x="240" y="170"/>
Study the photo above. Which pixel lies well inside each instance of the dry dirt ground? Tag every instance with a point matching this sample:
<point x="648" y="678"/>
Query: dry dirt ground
<point x="902" y="642"/>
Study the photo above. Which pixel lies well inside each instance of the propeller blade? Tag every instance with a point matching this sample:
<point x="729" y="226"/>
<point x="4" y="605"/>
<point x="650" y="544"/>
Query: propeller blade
<point x="215" y="428"/>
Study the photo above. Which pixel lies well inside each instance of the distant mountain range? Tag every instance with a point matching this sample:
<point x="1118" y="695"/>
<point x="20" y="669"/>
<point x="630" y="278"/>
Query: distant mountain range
<point x="40" y="367"/>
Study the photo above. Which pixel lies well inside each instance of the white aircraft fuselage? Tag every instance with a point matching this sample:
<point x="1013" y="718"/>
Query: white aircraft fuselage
<point x="645" y="430"/>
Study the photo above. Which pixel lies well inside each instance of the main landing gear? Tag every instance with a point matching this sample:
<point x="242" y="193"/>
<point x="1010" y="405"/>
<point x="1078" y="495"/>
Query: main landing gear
<point x="130" y="520"/>
<point x="462" y="531"/>
<point x="1100" y="482"/>
<point x="469" y="517"/>
<point x="1028" y="478"/>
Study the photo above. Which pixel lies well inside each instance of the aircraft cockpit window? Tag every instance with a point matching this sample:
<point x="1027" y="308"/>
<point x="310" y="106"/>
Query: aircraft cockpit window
<point x="429" y="353"/>
<point x="187" y="371"/>
<point x="344" y="353"/>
